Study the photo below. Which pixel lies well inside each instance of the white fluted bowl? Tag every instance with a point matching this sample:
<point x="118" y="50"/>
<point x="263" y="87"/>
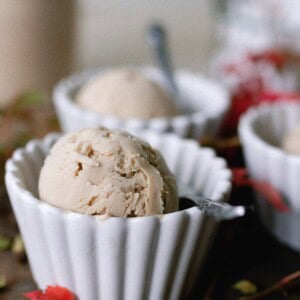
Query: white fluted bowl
<point x="118" y="258"/>
<point x="261" y="131"/>
<point x="205" y="103"/>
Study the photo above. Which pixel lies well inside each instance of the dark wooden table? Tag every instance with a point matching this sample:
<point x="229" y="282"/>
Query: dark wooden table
<point x="241" y="250"/>
<point x="14" y="268"/>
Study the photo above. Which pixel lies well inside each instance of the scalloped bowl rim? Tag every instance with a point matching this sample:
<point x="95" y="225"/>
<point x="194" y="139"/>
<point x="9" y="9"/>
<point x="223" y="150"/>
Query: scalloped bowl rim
<point x="28" y="196"/>
<point x="246" y="128"/>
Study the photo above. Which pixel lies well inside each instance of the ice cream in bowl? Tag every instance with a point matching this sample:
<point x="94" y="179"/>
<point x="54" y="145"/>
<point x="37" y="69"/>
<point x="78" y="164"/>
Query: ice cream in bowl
<point x="126" y="94"/>
<point x="134" y="98"/>
<point x="98" y="211"/>
<point x="291" y="140"/>
<point x="101" y="172"/>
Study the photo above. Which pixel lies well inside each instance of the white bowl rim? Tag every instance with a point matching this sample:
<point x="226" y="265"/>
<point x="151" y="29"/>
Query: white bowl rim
<point x="245" y="128"/>
<point x="25" y="194"/>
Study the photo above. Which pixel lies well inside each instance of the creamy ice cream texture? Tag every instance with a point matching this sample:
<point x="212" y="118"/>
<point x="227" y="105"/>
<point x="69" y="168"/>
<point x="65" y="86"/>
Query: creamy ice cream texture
<point x="291" y="142"/>
<point x="102" y="172"/>
<point x="126" y="93"/>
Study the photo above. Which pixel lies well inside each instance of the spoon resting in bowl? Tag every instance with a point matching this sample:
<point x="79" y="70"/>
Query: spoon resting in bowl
<point x="218" y="210"/>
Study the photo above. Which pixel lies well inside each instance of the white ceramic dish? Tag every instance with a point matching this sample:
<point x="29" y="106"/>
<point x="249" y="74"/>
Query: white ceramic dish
<point x="261" y="131"/>
<point x="205" y="100"/>
<point x="134" y="258"/>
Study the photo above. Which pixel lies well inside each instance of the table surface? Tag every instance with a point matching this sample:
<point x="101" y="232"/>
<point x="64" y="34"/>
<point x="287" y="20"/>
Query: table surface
<point x="242" y="249"/>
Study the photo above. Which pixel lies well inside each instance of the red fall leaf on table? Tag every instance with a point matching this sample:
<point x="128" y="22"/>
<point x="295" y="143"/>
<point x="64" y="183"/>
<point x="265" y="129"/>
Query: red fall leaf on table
<point x="35" y="295"/>
<point x="51" y="293"/>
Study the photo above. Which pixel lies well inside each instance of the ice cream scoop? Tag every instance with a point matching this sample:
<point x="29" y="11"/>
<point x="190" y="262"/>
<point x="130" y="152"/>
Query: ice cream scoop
<point x="102" y="172"/>
<point x="126" y="93"/>
<point x="291" y="142"/>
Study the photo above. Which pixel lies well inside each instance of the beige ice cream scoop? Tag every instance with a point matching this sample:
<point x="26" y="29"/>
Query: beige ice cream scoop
<point x="102" y="172"/>
<point x="126" y="93"/>
<point x="291" y="142"/>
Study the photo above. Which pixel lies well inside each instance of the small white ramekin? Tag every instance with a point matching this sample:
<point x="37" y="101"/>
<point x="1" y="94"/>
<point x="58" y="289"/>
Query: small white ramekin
<point x="261" y="131"/>
<point x="207" y="101"/>
<point x="155" y="257"/>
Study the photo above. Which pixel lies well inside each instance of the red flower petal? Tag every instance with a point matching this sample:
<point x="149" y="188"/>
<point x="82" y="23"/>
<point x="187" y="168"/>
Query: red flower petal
<point x="58" y="293"/>
<point x="35" y="295"/>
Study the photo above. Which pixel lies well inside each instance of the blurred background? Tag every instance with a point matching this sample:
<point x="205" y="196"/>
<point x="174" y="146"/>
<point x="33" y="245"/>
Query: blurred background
<point x="42" y="41"/>
<point x="45" y="40"/>
<point x="251" y="47"/>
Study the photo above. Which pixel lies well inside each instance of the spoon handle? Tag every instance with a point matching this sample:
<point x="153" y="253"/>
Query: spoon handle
<point x="220" y="211"/>
<point x="157" y="38"/>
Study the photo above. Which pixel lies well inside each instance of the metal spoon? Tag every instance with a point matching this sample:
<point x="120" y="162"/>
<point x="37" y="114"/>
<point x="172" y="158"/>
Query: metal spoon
<point x="157" y="39"/>
<point x="219" y="211"/>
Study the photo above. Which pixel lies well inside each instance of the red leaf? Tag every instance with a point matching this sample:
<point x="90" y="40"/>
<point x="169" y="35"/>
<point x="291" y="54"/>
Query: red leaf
<point x="51" y="293"/>
<point x="35" y="295"/>
<point x="58" y="293"/>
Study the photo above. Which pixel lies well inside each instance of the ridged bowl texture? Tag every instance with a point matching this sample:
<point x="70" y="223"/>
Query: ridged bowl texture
<point x="155" y="257"/>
